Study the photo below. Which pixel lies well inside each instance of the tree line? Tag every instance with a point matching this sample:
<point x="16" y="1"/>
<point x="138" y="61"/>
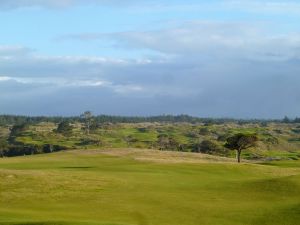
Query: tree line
<point x="15" y="119"/>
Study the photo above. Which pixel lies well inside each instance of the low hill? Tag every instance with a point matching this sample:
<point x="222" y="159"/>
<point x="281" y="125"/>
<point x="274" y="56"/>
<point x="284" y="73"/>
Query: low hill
<point x="277" y="141"/>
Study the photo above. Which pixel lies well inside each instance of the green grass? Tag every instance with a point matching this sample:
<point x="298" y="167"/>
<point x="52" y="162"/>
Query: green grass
<point x="89" y="187"/>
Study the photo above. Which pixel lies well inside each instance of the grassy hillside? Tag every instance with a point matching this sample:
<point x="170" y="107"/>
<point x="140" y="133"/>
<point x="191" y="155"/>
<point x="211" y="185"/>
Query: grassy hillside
<point x="121" y="187"/>
<point x="276" y="140"/>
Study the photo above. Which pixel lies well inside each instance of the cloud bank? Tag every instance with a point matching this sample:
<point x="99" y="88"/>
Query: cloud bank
<point x="205" y="70"/>
<point x="214" y="39"/>
<point x="246" y="69"/>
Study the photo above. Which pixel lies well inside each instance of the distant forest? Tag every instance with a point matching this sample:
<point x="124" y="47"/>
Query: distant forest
<point x="14" y="119"/>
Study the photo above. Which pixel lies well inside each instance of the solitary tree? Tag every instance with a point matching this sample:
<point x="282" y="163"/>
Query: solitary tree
<point x="88" y="117"/>
<point x="240" y="142"/>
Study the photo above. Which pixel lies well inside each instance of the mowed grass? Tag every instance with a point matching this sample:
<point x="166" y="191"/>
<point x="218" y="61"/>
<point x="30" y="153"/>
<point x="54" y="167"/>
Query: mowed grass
<point x="116" y="188"/>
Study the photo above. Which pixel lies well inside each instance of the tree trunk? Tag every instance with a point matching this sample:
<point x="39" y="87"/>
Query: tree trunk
<point x="238" y="155"/>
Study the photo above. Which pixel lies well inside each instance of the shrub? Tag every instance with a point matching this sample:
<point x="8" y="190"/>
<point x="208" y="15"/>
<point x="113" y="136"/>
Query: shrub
<point x="206" y="146"/>
<point x="204" y="131"/>
<point x="64" y="128"/>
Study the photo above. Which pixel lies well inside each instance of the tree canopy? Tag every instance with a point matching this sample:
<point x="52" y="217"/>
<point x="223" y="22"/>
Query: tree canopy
<point x="240" y="142"/>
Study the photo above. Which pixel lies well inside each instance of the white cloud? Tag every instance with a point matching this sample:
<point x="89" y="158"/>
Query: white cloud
<point x="62" y="83"/>
<point x="19" y="63"/>
<point x="209" y="39"/>
<point x="4" y="78"/>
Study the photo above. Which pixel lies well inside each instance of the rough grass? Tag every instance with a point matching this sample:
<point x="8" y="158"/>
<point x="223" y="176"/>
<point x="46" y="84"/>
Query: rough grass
<point x="276" y="140"/>
<point x="120" y="188"/>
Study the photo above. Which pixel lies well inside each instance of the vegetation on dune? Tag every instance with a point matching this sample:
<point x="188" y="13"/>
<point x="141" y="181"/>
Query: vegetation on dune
<point x="276" y="140"/>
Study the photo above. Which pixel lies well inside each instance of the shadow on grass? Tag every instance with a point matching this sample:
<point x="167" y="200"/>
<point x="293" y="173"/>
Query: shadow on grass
<point x="77" y="167"/>
<point x="36" y="223"/>
<point x="288" y="215"/>
<point x="55" y="223"/>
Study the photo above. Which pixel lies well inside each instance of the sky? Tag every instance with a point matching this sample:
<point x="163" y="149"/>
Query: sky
<point x="217" y="58"/>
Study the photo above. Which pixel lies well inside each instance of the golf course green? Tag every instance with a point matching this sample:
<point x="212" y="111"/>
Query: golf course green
<point x="140" y="187"/>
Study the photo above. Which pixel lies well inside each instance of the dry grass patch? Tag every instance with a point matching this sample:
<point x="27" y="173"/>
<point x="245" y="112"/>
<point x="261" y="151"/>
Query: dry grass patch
<point x="158" y="156"/>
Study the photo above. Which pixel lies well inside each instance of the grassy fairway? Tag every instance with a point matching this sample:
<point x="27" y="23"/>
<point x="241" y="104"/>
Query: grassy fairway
<point x="121" y="188"/>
